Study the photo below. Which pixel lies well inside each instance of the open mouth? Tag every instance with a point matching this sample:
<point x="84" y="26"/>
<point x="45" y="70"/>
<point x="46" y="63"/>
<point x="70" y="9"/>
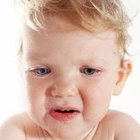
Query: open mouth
<point x="64" y="113"/>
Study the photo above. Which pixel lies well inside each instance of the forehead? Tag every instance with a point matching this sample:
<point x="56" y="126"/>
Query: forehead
<point x="62" y="35"/>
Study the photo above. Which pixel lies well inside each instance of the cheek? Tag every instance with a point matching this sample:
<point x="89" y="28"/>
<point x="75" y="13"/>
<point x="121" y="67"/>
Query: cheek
<point x="96" y="98"/>
<point x="36" y="107"/>
<point x="35" y="88"/>
<point x="35" y="92"/>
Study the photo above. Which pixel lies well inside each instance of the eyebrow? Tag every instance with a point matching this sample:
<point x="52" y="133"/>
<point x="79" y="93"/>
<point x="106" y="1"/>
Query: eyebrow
<point x="36" y="57"/>
<point x="94" y="60"/>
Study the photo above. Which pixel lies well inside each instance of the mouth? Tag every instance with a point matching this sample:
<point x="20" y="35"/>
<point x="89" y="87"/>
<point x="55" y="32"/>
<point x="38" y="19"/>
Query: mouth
<point x="64" y="113"/>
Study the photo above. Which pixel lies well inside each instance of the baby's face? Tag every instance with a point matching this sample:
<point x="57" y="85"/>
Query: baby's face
<point x="70" y="75"/>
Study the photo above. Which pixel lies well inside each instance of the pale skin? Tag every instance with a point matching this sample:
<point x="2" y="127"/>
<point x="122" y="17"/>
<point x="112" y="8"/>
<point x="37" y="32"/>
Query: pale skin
<point x="70" y="75"/>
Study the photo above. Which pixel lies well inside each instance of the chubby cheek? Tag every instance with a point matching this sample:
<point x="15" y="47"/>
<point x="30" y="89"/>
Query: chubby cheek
<point x="36" y="99"/>
<point x="96" y="98"/>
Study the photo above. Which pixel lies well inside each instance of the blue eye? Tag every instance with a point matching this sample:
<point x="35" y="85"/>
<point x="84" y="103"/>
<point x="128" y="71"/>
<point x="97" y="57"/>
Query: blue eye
<point x="89" y="71"/>
<point x="41" y="71"/>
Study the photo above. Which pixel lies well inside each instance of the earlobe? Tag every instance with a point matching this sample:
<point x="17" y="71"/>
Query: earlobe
<point x="123" y="73"/>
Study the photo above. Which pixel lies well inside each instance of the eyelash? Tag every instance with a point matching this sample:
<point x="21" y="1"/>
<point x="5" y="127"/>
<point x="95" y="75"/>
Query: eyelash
<point x="90" y="71"/>
<point x="43" y="71"/>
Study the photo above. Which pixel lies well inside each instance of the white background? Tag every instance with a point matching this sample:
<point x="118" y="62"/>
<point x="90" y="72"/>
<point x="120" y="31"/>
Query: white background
<point x="11" y="96"/>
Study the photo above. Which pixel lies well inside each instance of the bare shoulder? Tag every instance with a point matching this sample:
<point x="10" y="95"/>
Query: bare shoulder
<point x="13" y="128"/>
<point x="123" y="125"/>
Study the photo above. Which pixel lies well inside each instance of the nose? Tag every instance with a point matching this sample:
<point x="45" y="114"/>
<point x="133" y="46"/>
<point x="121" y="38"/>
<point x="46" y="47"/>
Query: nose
<point x="63" y="90"/>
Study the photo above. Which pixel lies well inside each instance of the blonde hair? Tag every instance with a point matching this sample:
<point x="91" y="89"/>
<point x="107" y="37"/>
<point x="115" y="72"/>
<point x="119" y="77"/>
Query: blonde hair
<point x="101" y="15"/>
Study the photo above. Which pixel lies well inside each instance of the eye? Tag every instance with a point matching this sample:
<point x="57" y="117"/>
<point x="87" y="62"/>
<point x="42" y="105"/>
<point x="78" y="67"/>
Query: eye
<point x="42" y="71"/>
<point x="89" y="71"/>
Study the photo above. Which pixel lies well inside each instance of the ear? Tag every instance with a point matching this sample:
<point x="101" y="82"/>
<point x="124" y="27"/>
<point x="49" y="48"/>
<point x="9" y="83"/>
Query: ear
<point x="123" y="73"/>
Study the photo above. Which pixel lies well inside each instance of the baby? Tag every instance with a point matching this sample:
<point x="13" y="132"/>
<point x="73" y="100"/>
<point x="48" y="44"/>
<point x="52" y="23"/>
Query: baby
<point x="72" y="61"/>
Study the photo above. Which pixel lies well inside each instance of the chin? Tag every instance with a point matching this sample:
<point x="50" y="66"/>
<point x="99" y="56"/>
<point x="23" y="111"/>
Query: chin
<point x="66" y="131"/>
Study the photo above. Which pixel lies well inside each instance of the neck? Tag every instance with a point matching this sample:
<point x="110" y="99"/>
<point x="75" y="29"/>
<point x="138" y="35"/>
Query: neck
<point x="87" y="136"/>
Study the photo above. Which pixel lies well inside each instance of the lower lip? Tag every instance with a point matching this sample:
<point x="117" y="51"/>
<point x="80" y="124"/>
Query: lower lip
<point x="63" y="116"/>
